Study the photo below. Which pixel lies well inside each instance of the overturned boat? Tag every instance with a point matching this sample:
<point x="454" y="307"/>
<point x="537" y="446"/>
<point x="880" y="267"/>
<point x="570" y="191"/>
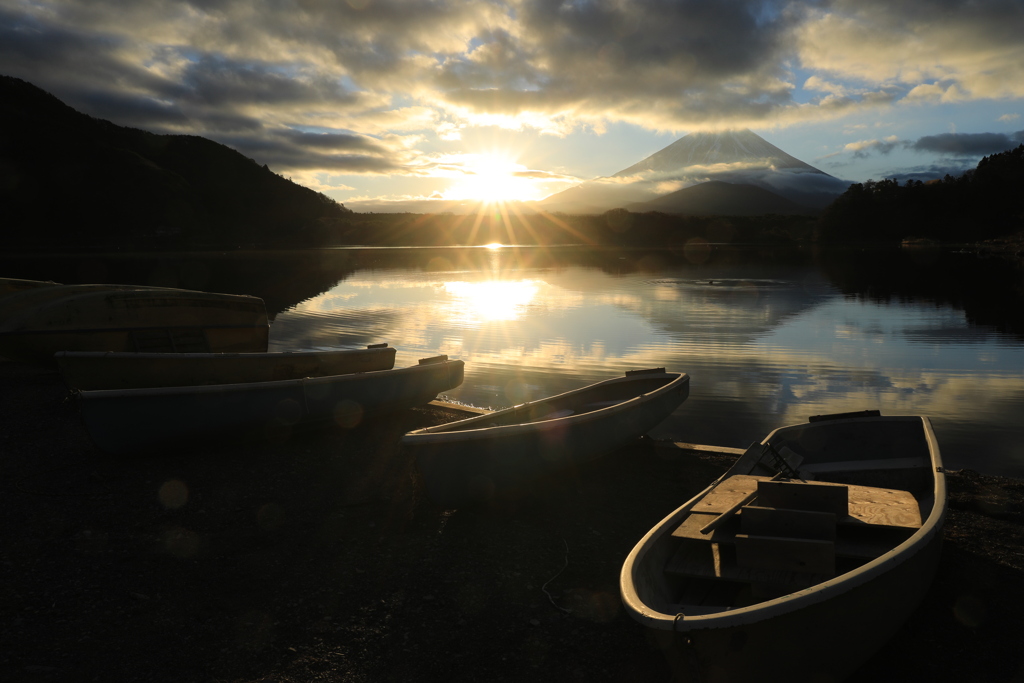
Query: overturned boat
<point x="38" y="322"/>
<point x="88" y="370"/>
<point x="136" y="421"/>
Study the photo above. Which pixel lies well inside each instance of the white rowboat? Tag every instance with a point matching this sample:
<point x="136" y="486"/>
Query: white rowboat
<point x="802" y="560"/>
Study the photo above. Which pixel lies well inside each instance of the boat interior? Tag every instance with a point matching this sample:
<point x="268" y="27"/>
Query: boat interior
<point x="579" y="402"/>
<point x="805" y="506"/>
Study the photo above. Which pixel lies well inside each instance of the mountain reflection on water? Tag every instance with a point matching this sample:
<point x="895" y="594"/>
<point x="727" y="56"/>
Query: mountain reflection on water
<point x="769" y="337"/>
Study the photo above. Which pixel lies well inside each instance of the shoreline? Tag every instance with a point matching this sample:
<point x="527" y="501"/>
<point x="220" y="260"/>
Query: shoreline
<point x="317" y="558"/>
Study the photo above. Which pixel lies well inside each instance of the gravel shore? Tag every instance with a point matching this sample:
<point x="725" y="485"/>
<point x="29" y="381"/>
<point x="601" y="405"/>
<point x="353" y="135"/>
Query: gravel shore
<point x="316" y="558"/>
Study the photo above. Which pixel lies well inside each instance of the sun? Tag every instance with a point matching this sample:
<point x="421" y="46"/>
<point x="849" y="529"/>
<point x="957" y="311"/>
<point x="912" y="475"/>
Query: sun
<point x="492" y="179"/>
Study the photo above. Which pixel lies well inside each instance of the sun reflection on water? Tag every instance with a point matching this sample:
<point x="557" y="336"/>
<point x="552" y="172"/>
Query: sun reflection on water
<point x="491" y="300"/>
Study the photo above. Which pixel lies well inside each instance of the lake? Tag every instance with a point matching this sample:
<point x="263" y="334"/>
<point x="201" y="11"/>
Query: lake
<point x="769" y="337"/>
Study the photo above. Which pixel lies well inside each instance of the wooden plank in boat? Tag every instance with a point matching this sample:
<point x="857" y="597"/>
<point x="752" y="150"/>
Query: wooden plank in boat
<point x="867" y="543"/>
<point x="798" y="495"/>
<point x="883" y="507"/>
<point x="767" y="521"/>
<point x="715" y="561"/>
<point x="775" y="553"/>
<point x="866" y="504"/>
<point x="731" y="491"/>
<point x="877" y="506"/>
<point x="695" y="521"/>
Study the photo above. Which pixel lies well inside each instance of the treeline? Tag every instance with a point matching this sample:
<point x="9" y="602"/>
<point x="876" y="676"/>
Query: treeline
<point x="73" y="181"/>
<point x="983" y="203"/>
<point x="617" y="227"/>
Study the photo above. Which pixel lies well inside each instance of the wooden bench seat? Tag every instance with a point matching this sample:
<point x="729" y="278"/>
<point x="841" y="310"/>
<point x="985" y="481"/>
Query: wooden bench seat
<point x="849" y="542"/>
<point x="719" y="562"/>
<point x="867" y="505"/>
<point x="776" y="549"/>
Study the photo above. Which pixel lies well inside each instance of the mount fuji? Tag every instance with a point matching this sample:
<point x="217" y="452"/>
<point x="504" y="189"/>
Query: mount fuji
<point x="740" y="158"/>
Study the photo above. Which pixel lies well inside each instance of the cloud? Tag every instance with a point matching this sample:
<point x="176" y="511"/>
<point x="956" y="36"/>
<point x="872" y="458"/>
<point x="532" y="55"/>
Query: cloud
<point x="365" y="86"/>
<point x="1007" y="118"/>
<point x="946" y="51"/>
<point x="967" y="144"/>
<point x="861" y="148"/>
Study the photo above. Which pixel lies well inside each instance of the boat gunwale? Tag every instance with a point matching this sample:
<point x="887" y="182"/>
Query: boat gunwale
<point x="277" y="384"/>
<point x="452" y="431"/>
<point x="797" y="600"/>
<point x="213" y="355"/>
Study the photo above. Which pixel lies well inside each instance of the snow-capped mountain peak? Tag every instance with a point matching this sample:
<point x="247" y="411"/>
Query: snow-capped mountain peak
<point x="736" y="157"/>
<point x="742" y="148"/>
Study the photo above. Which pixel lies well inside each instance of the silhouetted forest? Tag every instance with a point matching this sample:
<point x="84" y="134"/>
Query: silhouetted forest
<point x="71" y="180"/>
<point x="617" y="227"/>
<point x="983" y="203"/>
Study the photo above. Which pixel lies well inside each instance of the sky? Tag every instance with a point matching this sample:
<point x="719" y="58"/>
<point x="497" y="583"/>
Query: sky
<point x="397" y="104"/>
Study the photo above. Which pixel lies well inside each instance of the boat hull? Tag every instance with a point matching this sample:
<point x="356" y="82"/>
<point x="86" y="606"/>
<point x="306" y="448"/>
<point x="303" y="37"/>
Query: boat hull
<point x="37" y="323"/>
<point x="11" y="285"/>
<point x="824" y="641"/>
<point x="89" y="370"/>
<point x="136" y="421"/>
<point x="823" y="632"/>
<point x="472" y="463"/>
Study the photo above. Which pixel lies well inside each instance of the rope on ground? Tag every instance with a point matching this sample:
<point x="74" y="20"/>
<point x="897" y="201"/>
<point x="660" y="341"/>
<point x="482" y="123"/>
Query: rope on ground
<point x="545" y="586"/>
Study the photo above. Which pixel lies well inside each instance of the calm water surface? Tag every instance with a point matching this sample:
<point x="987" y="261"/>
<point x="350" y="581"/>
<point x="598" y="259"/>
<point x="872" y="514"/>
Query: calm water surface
<point x="766" y="342"/>
<point x="768" y="338"/>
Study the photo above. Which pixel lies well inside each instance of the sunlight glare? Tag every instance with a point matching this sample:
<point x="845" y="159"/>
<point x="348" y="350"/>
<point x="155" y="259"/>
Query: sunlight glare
<point x="493" y="299"/>
<point x="493" y="179"/>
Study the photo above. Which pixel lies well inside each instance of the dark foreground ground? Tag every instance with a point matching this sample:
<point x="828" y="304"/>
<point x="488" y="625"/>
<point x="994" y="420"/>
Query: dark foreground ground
<point x="316" y="559"/>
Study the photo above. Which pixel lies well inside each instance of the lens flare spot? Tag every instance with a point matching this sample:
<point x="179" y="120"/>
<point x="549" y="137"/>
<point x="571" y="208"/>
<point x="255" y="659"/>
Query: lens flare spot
<point x="173" y="494"/>
<point x="348" y="414"/>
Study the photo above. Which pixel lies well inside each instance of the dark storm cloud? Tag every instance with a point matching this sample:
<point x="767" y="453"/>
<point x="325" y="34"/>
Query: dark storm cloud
<point x="83" y="68"/>
<point x="219" y="81"/>
<point x="294" y="149"/>
<point x="332" y="141"/>
<point x="684" y="59"/>
<point x="968" y="144"/>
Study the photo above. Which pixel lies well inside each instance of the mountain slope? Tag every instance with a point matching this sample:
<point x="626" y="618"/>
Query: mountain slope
<point x="67" y="178"/>
<point x="737" y="157"/>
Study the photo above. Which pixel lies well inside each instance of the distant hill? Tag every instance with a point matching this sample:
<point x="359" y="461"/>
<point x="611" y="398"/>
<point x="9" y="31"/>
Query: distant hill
<point x="68" y="179"/>
<point x="736" y="157"/>
<point x="717" y="198"/>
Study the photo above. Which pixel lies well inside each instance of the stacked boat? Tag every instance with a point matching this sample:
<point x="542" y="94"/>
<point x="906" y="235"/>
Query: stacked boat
<point x="137" y="419"/>
<point x="158" y="368"/>
<point x="38" y="321"/>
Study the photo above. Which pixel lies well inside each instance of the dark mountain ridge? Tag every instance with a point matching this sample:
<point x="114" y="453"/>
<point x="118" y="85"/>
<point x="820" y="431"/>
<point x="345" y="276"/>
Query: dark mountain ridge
<point x="70" y="179"/>
<point x="719" y="198"/>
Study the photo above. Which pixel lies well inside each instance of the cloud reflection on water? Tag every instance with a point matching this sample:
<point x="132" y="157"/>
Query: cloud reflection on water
<point x="765" y="346"/>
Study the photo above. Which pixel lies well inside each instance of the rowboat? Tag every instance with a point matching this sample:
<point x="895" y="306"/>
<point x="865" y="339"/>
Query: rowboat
<point x="88" y="370"/>
<point x="13" y="285"/>
<point x="40" y="321"/>
<point x="802" y="560"/>
<point x="133" y="421"/>
<point x="502" y="455"/>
